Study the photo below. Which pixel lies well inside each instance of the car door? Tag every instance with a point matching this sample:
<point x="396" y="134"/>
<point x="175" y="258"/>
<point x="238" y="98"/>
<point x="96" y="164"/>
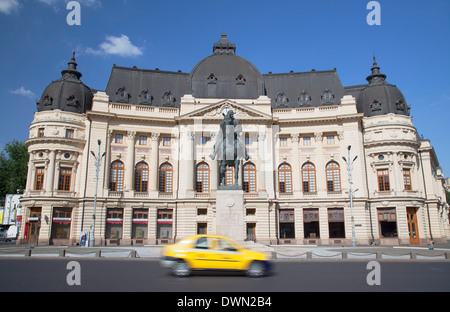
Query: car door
<point x="225" y="255"/>
<point x="202" y="256"/>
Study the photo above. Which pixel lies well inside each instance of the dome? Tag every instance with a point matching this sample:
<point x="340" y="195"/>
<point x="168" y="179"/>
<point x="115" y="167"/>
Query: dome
<point x="67" y="93"/>
<point x="380" y="97"/>
<point x="226" y="75"/>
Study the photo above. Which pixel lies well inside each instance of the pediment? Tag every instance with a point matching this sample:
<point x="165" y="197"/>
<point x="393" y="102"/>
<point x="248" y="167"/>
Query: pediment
<point x="215" y="112"/>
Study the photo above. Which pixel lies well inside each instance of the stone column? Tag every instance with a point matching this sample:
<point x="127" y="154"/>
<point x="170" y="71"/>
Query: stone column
<point x="51" y="172"/>
<point x="296" y="178"/>
<point x="107" y="169"/>
<point x="190" y="191"/>
<point x="154" y="162"/>
<point x="129" y="168"/>
<point x="261" y="167"/>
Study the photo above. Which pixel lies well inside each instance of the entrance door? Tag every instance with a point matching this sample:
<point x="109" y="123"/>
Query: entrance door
<point x="33" y="232"/>
<point x="412" y="226"/>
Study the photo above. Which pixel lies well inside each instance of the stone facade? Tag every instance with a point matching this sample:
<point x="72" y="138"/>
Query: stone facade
<point x="157" y="183"/>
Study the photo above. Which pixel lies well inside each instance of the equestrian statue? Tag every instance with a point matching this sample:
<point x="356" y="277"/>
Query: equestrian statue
<point x="229" y="148"/>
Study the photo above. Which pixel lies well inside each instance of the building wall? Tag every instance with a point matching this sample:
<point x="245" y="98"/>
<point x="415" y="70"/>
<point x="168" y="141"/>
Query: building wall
<point x="277" y="136"/>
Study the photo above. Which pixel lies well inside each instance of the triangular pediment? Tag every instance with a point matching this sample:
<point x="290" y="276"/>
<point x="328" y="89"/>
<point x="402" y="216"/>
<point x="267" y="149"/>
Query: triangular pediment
<point x="215" y="112"/>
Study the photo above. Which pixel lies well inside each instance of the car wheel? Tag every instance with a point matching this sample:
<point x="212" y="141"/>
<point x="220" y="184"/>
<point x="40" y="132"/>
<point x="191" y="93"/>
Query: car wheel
<point x="256" y="269"/>
<point x="181" y="269"/>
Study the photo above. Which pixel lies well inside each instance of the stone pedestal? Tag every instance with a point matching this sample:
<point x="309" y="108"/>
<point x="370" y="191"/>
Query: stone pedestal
<point x="230" y="214"/>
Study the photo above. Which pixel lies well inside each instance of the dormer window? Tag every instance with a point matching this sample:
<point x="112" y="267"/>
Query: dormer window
<point x="304" y="99"/>
<point x="72" y="101"/>
<point x="211" y="78"/>
<point x="168" y="99"/>
<point x="240" y="80"/>
<point x="327" y="97"/>
<point x="122" y="95"/>
<point x="400" y="106"/>
<point x="282" y="99"/>
<point x="375" y="106"/>
<point x="48" y="100"/>
<point x="145" y="98"/>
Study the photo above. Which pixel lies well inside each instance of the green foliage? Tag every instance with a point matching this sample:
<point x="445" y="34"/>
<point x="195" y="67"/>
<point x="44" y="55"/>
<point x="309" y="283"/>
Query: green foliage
<point x="13" y="168"/>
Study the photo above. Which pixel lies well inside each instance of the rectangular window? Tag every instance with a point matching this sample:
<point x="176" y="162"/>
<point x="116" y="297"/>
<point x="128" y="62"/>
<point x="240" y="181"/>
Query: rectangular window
<point x="114" y="223"/>
<point x="40" y="132"/>
<point x="61" y="220"/>
<point x="336" y="223"/>
<point x="69" y="133"/>
<point x="407" y="179"/>
<point x="118" y="138"/>
<point x="166" y="141"/>
<point x="140" y="223"/>
<point x="143" y="140"/>
<point x="383" y="180"/>
<point x="311" y="223"/>
<point x="202" y="228"/>
<point x="164" y="223"/>
<point x="248" y="139"/>
<point x="250" y="212"/>
<point x="202" y="211"/>
<point x="39" y="180"/>
<point x="283" y="141"/>
<point x="330" y="139"/>
<point x="387" y="219"/>
<point x="287" y="223"/>
<point x="307" y="141"/>
<point x="64" y="179"/>
<point x="204" y="140"/>
<point x="251" y="231"/>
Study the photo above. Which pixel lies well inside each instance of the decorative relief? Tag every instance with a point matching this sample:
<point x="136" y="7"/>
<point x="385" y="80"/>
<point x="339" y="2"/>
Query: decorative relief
<point x="155" y="136"/>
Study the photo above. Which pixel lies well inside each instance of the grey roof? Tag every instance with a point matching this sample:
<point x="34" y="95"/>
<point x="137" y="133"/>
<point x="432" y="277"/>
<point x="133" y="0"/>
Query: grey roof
<point x="225" y="75"/>
<point x="379" y="97"/>
<point x="304" y="89"/>
<point x="67" y="93"/>
<point x="146" y="87"/>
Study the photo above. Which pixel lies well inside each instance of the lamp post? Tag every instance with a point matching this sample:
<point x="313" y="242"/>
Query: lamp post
<point x="350" y="191"/>
<point x="98" y="163"/>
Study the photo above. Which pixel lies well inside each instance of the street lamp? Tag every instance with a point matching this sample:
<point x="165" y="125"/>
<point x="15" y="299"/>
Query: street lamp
<point x="351" y="192"/>
<point x="97" y="164"/>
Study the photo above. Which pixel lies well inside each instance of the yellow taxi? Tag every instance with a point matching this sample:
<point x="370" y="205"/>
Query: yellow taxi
<point x="212" y="252"/>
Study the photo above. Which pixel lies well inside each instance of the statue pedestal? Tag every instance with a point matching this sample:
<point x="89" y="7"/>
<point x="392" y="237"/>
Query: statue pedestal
<point x="230" y="214"/>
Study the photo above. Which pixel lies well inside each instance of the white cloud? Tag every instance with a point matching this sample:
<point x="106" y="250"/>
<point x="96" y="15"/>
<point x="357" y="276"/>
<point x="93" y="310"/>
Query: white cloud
<point x="8" y="6"/>
<point x="121" y="46"/>
<point x="24" y="92"/>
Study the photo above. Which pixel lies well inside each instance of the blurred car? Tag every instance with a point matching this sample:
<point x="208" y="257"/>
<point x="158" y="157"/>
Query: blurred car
<point x="212" y="252"/>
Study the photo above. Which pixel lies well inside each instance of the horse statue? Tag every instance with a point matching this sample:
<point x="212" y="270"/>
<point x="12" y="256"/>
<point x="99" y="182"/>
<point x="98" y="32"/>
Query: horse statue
<point x="229" y="148"/>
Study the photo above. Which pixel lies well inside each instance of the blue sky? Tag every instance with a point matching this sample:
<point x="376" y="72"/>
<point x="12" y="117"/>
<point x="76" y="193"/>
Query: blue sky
<point x="411" y="46"/>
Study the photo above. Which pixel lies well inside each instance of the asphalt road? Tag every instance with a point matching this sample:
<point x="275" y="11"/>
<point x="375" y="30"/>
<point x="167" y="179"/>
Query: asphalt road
<point x="138" y="275"/>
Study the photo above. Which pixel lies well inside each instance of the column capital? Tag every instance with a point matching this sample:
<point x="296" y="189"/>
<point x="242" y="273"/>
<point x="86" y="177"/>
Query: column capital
<point x="295" y="137"/>
<point x="131" y="134"/>
<point x="155" y="136"/>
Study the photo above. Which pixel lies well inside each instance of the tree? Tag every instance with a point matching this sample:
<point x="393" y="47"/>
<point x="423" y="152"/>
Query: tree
<point x="13" y="168"/>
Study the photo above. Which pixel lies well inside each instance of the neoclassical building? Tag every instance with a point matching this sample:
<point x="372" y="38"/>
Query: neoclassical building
<point x="154" y="130"/>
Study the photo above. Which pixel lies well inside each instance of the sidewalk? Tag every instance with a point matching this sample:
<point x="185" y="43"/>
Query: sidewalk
<point x="277" y="252"/>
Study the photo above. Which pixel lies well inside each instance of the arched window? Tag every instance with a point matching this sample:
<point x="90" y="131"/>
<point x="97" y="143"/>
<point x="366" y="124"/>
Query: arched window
<point x="249" y="178"/>
<point x="333" y="177"/>
<point x="141" y="177"/>
<point x="165" y="178"/>
<point x="116" y="179"/>
<point x="309" y="178"/>
<point x="202" y="183"/>
<point x="285" y="178"/>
